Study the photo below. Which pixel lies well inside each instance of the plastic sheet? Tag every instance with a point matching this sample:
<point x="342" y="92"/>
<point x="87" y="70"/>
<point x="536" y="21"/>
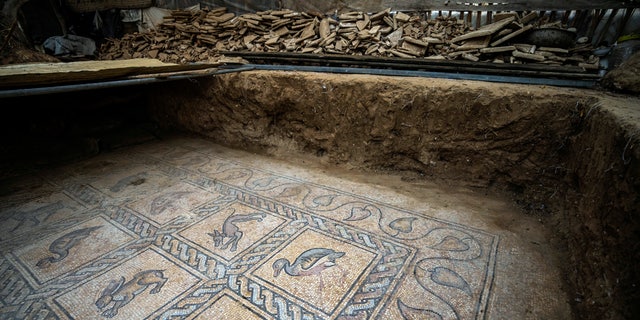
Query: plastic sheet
<point x="242" y="6"/>
<point x="70" y="45"/>
<point x="151" y="18"/>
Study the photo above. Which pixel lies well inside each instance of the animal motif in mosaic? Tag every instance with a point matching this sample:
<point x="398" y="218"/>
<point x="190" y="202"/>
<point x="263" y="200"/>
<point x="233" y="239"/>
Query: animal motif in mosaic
<point x="34" y="215"/>
<point x="166" y="201"/>
<point x="230" y="230"/>
<point x="310" y="262"/>
<point x="61" y="246"/>
<point x="119" y="293"/>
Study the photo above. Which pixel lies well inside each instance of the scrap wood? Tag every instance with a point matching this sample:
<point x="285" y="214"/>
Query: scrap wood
<point x="196" y="36"/>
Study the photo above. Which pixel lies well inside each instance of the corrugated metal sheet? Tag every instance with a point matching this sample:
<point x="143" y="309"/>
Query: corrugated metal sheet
<point x="327" y="6"/>
<point x="243" y="6"/>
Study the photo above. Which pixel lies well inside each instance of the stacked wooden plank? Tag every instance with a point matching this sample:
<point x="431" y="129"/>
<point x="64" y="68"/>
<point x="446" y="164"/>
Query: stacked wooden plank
<point x="192" y="36"/>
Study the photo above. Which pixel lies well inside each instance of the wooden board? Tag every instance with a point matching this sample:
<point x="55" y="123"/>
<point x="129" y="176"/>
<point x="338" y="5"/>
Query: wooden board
<point x="485" y="30"/>
<point x="36" y="74"/>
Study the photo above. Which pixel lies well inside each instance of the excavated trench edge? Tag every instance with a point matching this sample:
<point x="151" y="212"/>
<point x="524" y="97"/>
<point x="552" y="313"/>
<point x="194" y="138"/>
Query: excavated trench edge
<point x="563" y="160"/>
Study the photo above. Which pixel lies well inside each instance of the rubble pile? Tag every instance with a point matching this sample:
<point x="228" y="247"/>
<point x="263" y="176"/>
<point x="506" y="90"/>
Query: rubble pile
<point x="195" y="36"/>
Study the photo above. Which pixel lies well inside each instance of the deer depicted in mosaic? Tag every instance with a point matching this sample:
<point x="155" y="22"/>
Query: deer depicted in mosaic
<point x="117" y="294"/>
<point x="230" y="230"/>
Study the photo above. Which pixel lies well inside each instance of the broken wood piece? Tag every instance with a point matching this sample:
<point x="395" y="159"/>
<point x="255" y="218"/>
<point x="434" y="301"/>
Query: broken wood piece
<point x="529" y="56"/>
<point x="401" y="16"/>
<point x="400" y="54"/>
<point x="527" y="48"/>
<point x="371" y="49"/>
<point x="385" y="30"/>
<point x="497" y="49"/>
<point x="470" y="57"/>
<point x="476" y="43"/>
<point x="459" y="53"/>
<point x="328" y="40"/>
<point x="389" y="22"/>
<point x="504" y="15"/>
<point x="546" y="54"/>
<point x="379" y="15"/>
<point x="589" y="66"/>
<point x="217" y="11"/>
<point x="364" y="35"/>
<point x="251" y="16"/>
<point x="433" y="40"/>
<point x="409" y="52"/>
<point x="281" y="32"/>
<point x="416" y="42"/>
<point x="324" y="28"/>
<point x="350" y="15"/>
<point x="361" y="24"/>
<point x="511" y="35"/>
<point x="416" y="50"/>
<point x="248" y="39"/>
<point x="485" y="31"/>
<point x="503" y="33"/>
<point x="272" y="41"/>
<point x="555" y="50"/>
<point x="529" y="17"/>
<point x="394" y="37"/>
<point x="224" y="18"/>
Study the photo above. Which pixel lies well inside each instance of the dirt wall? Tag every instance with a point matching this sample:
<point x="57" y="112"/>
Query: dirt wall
<point x="567" y="155"/>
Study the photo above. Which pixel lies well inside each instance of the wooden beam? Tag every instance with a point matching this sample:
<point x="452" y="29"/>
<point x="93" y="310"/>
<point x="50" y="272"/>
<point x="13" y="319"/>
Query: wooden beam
<point x="34" y="74"/>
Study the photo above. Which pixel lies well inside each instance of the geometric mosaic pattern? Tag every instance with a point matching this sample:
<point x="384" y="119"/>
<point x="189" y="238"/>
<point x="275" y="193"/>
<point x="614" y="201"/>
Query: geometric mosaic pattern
<point x="179" y="229"/>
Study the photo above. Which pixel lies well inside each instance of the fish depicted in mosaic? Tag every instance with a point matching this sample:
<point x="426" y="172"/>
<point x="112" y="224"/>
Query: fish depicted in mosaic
<point x="310" y="262"/>
<point x="230" y="230"/>
<point x="117" y="294"/>
<point x="61" y="246"/>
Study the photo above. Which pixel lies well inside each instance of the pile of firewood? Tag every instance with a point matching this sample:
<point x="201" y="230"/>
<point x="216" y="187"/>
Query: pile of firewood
<point x="195" y="36"/>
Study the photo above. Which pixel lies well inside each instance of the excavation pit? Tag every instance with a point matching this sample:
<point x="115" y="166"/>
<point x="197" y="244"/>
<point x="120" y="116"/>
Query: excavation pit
<point x="449" y="198"/>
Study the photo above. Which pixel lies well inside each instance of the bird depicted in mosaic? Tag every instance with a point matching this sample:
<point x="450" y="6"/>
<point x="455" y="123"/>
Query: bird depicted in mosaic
<point x="117" y="294"/>
<point x="310" y="262"/>
<point x="61" y="246"/>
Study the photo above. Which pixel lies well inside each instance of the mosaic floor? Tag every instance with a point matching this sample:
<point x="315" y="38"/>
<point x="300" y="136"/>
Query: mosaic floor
<point x="183" y="228"/>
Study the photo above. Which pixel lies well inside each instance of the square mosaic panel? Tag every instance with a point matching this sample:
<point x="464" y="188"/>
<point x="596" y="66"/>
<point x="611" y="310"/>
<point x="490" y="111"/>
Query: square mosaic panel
<point x="148" y="276"/>
<point x="65" y="251"/>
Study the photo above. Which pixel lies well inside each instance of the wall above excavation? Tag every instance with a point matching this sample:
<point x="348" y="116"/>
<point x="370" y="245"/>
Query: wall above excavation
<point x="570" y="155"/>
